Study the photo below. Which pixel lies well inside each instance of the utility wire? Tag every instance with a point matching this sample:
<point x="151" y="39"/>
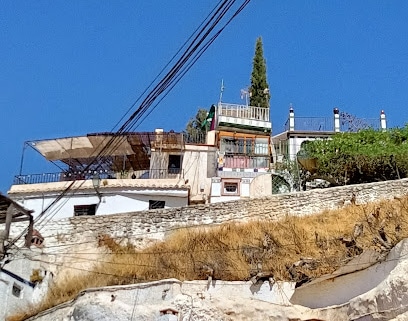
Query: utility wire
<point x="164" y="68"/>
<point x="168" y="82"/>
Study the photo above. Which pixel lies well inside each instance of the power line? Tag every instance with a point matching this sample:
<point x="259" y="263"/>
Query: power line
<point x="157" y="268"/>
<point x="184" y="63"/>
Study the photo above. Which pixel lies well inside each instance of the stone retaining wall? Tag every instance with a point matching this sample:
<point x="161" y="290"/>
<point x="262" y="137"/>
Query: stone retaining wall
<point x="142" y="227"/>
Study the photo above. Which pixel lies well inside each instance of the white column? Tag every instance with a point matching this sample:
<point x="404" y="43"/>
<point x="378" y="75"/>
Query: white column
<point x="336" y="120"/>
<point x="291" y="119"/>
<point x="383" y="121"/>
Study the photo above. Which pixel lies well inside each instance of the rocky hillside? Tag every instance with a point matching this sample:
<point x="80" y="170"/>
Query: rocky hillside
<point x="387" y="300"/>
<point x="346" y="264"/>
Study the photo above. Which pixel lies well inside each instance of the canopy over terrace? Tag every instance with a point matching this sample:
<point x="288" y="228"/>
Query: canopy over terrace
<point x="105" y="151"/>
<point x="11" y="212"/>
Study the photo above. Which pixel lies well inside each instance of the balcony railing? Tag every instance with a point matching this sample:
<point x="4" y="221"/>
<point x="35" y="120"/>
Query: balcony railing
<point x="194" y="138"/>
<point x="241" y="161"/>
<point x="163" y="173"/>
<point x="326" y="124"/>
<point x="313" y="124"/>
<point x="244" y="112"/>
<point x="348" y="124"/>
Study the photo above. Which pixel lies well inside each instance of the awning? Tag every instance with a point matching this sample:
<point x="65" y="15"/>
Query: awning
<point x="11" y="212"/>
<point x="126" y="151"/>
<point x="19" y="213"/>
<point x="84" y="147"/>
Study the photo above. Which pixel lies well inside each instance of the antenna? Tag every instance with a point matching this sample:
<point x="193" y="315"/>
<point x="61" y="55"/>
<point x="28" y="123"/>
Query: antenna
<point x="221" y="89"/>
<point x="245" y="93"/>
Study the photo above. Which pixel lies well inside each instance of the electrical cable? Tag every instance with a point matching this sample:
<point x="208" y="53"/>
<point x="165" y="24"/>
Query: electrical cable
<point x="167" y="83"/>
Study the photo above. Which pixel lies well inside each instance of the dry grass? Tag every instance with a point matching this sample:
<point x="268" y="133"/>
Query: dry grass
<point x="295" y="248"/>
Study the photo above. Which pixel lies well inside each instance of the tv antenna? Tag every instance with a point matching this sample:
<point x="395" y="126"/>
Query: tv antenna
<point x="221" y="89"/>
<point x="245" y="93"/>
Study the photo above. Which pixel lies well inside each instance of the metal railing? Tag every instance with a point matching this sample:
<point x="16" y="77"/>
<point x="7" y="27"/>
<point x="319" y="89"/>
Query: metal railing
<point x="37" y="178"/>
<point x="243" y="111"/>
<point x="61" y="177"/>
<point x="194" y="138"/>
<point x="348" y="124"/>
<point x="163" y="173"/>
<point x="326" y="124"/>
<point x="313" y="124"/>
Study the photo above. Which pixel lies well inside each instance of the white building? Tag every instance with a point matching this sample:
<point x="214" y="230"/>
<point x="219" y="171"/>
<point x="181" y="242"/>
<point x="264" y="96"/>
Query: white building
<point x="19" y="282"/>
<point x="300" y="129"/>
<point x="143" y="171"/>
<point x="242" y="138"/>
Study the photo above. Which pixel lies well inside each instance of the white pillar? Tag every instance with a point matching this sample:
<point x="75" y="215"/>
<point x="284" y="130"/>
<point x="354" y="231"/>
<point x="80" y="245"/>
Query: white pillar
<point x="291" y="119"/>
<point x="336" y="120"/>
<point x="383" y="121"/>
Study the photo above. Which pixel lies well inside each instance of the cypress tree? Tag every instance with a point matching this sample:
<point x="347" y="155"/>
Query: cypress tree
<point x="259" y="91"/>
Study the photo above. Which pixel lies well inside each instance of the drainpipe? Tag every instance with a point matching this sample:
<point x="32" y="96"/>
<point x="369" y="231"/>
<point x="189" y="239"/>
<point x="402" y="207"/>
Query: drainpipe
<point x="291" y="119"/>
<point x="336" y="120"/>
<point x="383" y="121"/>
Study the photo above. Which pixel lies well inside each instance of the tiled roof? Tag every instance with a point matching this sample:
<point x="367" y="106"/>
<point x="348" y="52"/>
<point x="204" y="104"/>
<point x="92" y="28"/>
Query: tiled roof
<point x="174" y="184"/>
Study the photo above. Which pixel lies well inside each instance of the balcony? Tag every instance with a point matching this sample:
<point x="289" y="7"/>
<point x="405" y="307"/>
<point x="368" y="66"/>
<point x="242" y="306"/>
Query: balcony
<point x="244" y="117"/>
<point x="194" y="138"/>
<point x="163" y="173"/>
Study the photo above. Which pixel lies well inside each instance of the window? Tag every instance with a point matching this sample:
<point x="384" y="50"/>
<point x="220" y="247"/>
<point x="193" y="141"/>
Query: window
<point x="174" y="164"/>
<point x="156" y="204"/>
<point x="16" y="290"/>
<point x="37" y="239"/>
<point x="80" y="210"/>
<point x="229" y="145"/>
<point x="261" y="146"/>
<point x="230" y="187"/>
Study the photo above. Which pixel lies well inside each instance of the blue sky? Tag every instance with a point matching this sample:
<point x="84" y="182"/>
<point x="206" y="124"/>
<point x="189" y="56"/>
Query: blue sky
<point x="74" y="67"/>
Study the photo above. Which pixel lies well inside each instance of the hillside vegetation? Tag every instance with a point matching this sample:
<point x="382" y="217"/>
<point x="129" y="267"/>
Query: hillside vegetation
<point x="295" y="249"/>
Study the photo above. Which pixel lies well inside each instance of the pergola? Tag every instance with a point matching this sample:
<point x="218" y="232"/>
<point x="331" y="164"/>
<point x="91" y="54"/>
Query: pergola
<point x="106" y="151"/>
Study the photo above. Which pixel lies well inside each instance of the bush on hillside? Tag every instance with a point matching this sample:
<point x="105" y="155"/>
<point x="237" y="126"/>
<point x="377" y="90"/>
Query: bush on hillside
<point x="362" y="157"/>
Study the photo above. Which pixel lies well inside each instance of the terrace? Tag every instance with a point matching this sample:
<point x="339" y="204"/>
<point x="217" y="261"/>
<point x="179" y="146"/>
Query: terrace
<point x="244" y="117"/>
<point x="127" y="156"/>
<point x="161" y="173"/>
<point x="348" y="123"/>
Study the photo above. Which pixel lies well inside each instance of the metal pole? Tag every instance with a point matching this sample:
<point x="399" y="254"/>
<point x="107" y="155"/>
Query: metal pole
<point x="22" y="158"/>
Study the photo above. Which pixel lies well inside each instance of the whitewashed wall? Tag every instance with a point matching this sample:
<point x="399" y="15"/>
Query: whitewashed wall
<point x="9" y="302"/>
<point x="29" y="295"/>
<point x="110" y="203"/>
<point x="198" y="167"/>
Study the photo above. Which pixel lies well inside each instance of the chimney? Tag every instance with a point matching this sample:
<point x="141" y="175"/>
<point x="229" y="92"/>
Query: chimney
<point x="291" y="119"/>
<point x="383" y="121"/>
<point x="336" y="120"/>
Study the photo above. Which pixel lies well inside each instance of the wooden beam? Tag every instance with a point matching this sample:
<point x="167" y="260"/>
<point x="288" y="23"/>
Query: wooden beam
<point x="20" y="219"/>
<point x="29" y="235"/>
<point x="2" y="239"/>
<point x="9" y="218"/>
